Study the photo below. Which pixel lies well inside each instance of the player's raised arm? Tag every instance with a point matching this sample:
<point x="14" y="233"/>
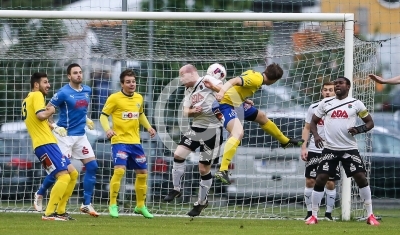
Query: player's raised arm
<point x="237" y="81"/>
<point x="380" y="80"/>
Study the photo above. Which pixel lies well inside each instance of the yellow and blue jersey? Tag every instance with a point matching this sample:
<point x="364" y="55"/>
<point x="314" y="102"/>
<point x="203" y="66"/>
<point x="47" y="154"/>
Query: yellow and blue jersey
<point x="38" y="130"/>
<point x="73" y="106"/>
<point x="236" y="95"/>
<point x="124" y="111"/>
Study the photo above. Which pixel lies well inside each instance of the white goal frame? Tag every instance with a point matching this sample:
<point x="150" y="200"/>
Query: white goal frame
<point x="346" y="18"/>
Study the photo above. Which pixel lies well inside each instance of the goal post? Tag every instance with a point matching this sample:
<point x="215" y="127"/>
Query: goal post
<point x="195" y="37"/>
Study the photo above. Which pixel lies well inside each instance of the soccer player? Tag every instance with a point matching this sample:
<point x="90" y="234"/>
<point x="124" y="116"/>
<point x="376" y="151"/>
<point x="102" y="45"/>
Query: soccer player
<point x="205" y="133"/>
<point x="390" y="81"/>
<point x="231" y="105"/>
<point x="35" y="115"/>
<point x="126" y="110"/>
<point x="72" y="101"/>
<point x="340" y="114"/>
<point x="312" y="155"/>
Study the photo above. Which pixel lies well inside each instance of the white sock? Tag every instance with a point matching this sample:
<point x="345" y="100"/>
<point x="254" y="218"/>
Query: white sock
<point x="178" y="169"/>
<point x="330" y="199"/>
<point x="307" y="197"/>
<point x="365" y="194"/>
<point x="204" y="188"/>
<point x="316" y="198"/>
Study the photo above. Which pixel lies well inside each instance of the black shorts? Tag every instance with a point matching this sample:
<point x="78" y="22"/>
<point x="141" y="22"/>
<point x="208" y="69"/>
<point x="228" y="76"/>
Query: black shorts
<point x="351" y="160"/>
<point x="312" y="164"/>
<point x="208" y="139"/>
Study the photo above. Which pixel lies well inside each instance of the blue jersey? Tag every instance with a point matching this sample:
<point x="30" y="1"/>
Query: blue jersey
<point x="73" y="106"/>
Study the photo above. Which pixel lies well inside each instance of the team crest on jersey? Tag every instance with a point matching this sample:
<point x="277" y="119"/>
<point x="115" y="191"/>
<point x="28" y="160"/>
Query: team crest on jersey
<point x="201" y="87"/>
<point x="350" y="106"/>
<point x="137" y="105"/>
<point x="130" y="115"/>
<point x="86" y="95"/>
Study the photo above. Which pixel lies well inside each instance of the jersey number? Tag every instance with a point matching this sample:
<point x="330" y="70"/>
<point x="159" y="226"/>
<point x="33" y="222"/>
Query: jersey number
<point x="23" y="111"/>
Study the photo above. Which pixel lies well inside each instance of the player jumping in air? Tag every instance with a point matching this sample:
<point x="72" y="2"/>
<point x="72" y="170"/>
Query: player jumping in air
<point x="205" y="133"/>
<point x="231" y="105"/>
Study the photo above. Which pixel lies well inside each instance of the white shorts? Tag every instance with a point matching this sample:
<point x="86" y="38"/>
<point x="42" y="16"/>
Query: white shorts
<point x="75" y="147"/>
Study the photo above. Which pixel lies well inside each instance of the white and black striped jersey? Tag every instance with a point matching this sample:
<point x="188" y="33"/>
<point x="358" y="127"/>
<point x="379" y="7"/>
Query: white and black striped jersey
<point x="320" y="128"/>
<point x="339" y="116"/>
<point x="200" y="95"/>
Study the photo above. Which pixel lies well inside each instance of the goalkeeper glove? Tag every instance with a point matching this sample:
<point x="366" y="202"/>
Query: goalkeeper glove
<point x="59" y="130"/>
<point x="89" y="123"/>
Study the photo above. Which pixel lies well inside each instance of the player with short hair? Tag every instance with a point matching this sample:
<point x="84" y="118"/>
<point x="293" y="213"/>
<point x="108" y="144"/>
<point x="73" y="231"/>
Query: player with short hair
<point x="126" y="110"/>
<point x="312" y="155"/>
<point x="340" y="113"/>
<point x="205" y="133"/>
<point x="231" y="106"/>
<point x="73" y="101"/>
<point x="35" y="115"/>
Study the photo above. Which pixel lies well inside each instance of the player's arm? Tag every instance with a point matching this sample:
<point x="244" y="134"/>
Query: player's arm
<point x="368" y="123"/>
<point x="380" y="80"/>
<point x="108" y="109"/>
<point x="44" y="114"/>
<point x="192" y="112"/>
<point x="313" y="128"/>
<point x="305" y="135"/>
<point x="55" y="101"/>
<point x="145" y="122"/>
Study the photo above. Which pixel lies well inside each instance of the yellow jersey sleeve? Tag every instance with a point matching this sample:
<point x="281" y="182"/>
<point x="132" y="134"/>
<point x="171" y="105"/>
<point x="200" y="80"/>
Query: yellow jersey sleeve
<point x="252" y="79"/>
<point x="141" y="110"/>
<point x="39" y="102"/>
<point x="109" y="106"/>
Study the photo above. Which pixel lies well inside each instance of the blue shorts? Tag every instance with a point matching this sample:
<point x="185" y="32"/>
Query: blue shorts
<point x="129" y="155"/>
<point x="53" y="161"/>
<point x="244" y="111"/>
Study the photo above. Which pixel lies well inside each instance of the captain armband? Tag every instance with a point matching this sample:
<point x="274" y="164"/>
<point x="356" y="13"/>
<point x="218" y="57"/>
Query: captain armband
<point x="362" y="128"/>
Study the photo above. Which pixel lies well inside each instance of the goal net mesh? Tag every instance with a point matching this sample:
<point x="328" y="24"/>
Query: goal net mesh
<point x="267" y="181"/>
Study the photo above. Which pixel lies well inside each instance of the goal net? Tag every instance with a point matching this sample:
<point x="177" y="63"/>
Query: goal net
<point x="267" y="181"/>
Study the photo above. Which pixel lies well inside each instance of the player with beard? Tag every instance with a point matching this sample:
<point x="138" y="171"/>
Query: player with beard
<point x="340" y="114"/>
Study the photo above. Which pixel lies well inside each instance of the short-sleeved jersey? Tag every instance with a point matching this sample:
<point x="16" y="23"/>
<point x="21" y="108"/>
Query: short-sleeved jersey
<point x="73" y="105"/>
<point x="200" y="95"/>
<point x="251" y="82"/>
<point x="39" y="131"/>
<point x="340" y="115"/>
<point x="320" y="128"/>
<point x="124" y="111"/>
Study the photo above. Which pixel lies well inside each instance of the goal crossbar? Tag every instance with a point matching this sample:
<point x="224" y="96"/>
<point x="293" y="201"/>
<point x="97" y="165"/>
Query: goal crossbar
<point x="117" y="15"/>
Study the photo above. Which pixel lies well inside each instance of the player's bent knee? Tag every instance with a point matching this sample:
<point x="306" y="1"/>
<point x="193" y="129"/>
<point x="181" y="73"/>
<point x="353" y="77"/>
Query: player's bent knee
<point x="74" y="175"/>
<point x="204" y="167"/>
<point x="181" y="153"/>
<point x="330" y="184"/>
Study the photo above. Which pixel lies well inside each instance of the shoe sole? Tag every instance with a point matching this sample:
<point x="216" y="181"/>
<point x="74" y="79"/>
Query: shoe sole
<point x="53" y="219"/>
<point x="93" y="214"/>
<point x="222" y="179"/>
<point x="177" y="196"/>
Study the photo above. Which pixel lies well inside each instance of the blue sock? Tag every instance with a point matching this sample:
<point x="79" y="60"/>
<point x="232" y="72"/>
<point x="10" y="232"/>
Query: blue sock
<point x="89" y="180"/>
<point x="48" y="181"/>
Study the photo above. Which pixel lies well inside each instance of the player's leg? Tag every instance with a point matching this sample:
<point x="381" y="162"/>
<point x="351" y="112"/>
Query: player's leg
<point x="326" y="168"/>
<point x="235" y="128"/>
<point x="209" y="152"/>
<point x="310" y="174"/>
<point x="120" y="156"/>
<point x="137" y="161"/>
<point x="252" y="114"/>
<point x="62" y="206"/>
<point x="49" y="180"/>
<point x="82" y="150"/>
<point x="354" y="166"/>
<point x="54" y="164"/>
<point x="187" y="144"/>
<point x="331" y="194"/>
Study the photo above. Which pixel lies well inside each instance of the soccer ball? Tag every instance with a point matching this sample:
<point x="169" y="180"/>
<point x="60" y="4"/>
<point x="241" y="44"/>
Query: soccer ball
<point x="217" y="71"/>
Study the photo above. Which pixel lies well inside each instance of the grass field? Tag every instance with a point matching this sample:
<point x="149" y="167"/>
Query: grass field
<point x="30" y="223"/>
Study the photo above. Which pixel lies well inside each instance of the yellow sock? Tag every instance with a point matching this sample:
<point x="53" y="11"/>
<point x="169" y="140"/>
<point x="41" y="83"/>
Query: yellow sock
<point x="57" y="193"/>
<point x="141" y="189"/>
<point x="62" y="205"/>
<point x="115" y="184"/>
<point x="274" y="131"/>
<point x="229" y="151"/>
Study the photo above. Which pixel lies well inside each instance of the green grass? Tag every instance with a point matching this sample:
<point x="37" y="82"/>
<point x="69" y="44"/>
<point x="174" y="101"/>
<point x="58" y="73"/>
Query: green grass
<point x="31" y="223"/>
